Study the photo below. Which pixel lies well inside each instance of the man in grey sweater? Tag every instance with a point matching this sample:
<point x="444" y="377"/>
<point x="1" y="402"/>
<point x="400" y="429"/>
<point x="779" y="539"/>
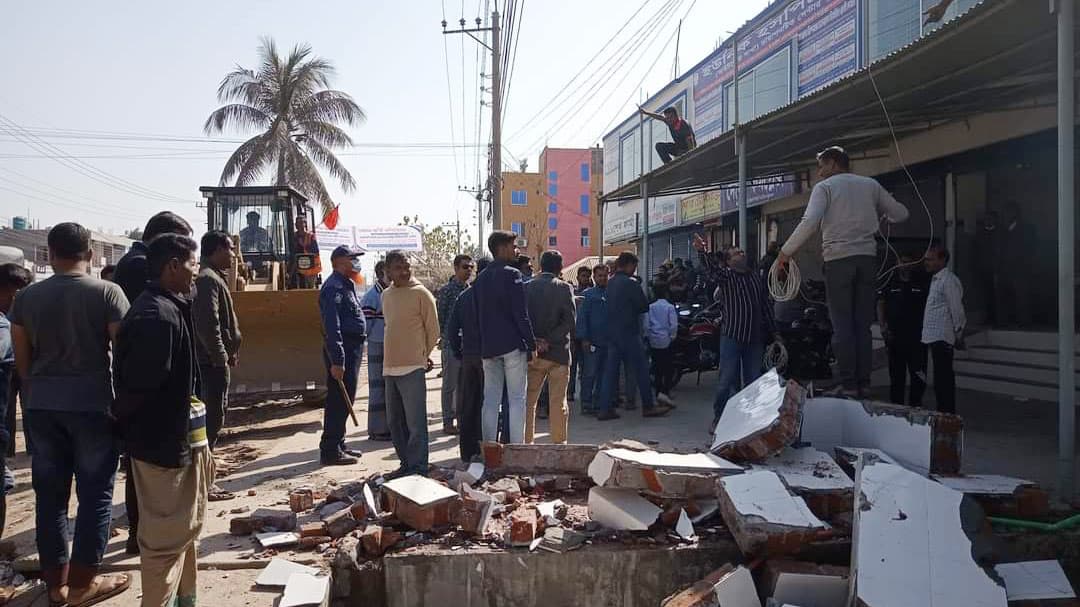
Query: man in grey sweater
<point x="550" y="301"/>
<point x="848" y="209"/>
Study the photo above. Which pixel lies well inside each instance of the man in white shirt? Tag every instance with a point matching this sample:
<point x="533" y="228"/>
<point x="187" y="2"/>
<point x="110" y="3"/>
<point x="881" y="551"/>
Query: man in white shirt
<point x="943" y="324"/>
<point x="663" y="325"/>
<point x="848" y="209"/>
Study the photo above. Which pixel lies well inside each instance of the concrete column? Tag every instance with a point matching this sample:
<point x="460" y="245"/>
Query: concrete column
<point x="1066" y="246"/>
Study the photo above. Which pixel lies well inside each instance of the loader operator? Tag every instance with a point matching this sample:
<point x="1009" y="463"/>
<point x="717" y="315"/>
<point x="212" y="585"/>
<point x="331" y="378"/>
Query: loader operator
<point x="305" y="278"/>
<point x="254" y="238"/>
<point x="345" y="329"/>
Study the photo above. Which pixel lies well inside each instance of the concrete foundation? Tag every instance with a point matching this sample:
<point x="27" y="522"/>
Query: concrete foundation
<point x="595" y="575"/>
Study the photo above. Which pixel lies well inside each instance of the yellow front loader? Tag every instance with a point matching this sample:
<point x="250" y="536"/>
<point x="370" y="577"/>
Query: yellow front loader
<point x="278" y="310"/>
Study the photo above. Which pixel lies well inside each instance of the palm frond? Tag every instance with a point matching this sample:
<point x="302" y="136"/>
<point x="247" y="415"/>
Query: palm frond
<point x="330" y="106"/>
<point x="322" y="156"/>
<point x="241" y="84"/>
<point x="236" y="115"/>
<point x="304" y="176"/>
<point x="325" y="133"/>
<point x="239" y="159"/>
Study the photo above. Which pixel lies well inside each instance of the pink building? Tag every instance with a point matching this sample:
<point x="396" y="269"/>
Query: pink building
<point x="569" y="196"/>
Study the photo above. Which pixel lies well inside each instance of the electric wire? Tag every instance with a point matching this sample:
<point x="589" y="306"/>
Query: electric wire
<point x="449" y="92"/>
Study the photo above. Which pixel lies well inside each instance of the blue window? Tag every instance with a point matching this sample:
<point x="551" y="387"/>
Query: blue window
<point x="516" y="228"/>
<point x="553" y="176"/>
<point x="553" y="241"/>
<point x="519" y="198"/>
<point x="553" y="207"/>
<point x="584" y="172"/>
<point x="553" y="189"/>
<point x="552" y="223"/>
<point x="584" y="203"/>
<point x="585" y="241"/>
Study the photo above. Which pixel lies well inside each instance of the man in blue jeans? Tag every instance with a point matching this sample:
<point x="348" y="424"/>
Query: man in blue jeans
<point x="747" y="321"/>
<point x="506" y="336"/>
<point x="592" y="334"/>
<point x="345" y="331"/>
<point x="62" y="328"/>
<point x="626" y="303"/>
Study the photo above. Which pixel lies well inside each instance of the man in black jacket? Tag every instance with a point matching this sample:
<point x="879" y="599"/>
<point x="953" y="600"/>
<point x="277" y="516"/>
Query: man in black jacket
<point x="164" y="424"/>
<point x="133" y="274"/>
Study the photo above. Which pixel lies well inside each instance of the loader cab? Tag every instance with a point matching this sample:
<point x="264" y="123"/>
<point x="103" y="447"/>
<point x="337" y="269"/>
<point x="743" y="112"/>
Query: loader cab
<point x="262" y="221"/>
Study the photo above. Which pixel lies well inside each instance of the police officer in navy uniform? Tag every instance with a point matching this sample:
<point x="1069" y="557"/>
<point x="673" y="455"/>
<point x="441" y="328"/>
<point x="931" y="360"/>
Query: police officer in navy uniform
<point x="345" y="330"/>
<point x="901" y="303"/>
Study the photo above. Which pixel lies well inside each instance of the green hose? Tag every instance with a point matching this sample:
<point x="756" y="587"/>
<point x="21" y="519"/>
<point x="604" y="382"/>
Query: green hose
<point x="1061" y="525"/>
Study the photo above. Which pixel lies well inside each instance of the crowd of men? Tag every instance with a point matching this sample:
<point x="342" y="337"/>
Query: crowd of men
<point x="139" y="365"/>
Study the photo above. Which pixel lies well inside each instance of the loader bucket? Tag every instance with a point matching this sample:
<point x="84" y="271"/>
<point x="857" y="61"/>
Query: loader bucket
<point x="283" y="344"/>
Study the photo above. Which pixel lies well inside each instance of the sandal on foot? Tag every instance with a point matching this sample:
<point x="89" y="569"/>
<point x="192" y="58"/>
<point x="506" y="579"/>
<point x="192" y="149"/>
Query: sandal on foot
<point x="217" y="494"/>
<point x="104" y="587"/>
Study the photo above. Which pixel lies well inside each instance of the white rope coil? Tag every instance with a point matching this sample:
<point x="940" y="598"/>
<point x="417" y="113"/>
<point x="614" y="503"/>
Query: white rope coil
<point x="784" y="290"/>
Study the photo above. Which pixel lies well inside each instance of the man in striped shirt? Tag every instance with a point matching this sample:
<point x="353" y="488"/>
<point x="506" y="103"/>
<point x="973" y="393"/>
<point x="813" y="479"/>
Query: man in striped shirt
<point x="747" y="321"/>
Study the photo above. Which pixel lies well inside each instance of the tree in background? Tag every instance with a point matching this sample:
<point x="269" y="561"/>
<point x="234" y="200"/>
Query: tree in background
<point x="289" y="101"/>
<point x="435" y="264"/>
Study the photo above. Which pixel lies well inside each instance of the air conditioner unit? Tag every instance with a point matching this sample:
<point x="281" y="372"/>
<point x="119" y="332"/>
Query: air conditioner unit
<point x="521" y="242"/>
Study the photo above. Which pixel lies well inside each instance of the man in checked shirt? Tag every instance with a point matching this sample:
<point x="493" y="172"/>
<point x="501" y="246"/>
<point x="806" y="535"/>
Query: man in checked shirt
<point x="747" y="321"/>
<point x="943" y="324"/>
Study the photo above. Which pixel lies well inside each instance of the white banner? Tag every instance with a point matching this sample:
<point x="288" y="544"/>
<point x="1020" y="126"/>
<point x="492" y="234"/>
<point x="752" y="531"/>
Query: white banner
<point x="402" y="238"/>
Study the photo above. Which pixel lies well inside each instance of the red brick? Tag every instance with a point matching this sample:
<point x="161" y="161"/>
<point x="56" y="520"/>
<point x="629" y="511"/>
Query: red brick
<point x="782" y="432"/>
<point x="341" y="523"/>
<point x="263" y="520"/>
<point x="376" y="540"/>
<point x="475" y="512"/>
<point x="570" y="460"/>
<point x="524" y="525"/>
<point x="359" y="510"/>
<point x="301" y="500"/>
<point x="307" y="543"/>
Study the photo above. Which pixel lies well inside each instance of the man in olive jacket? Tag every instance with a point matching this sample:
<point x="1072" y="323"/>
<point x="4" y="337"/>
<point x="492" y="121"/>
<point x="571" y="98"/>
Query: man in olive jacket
<point x="217" y="333"/>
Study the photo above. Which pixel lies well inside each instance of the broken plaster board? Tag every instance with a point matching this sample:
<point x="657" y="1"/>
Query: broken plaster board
<point x="852" y="453"/>
<point x="811" y="590"/>
<point x="737" y="589"/>
<point x="278" y="571"/>
<point x="832" y="422"/>
<point x="304" y="590"/>
<point x="604" y="464"/>
<point x="684" y="527"/>
<point x="809" y="469"/>
<point x="621" y="509"/>
<point x="277" y="539"/>
<point x="420" y="490"/>
<point x="752" y="410"/>
<point x="760" y="493"/>
<point x="910" y="546"/>
<point x="984" y="484"/>
<point x="1035" y="580"/>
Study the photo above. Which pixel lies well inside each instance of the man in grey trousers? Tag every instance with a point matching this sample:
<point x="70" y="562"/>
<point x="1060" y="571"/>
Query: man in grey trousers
<point x="848" y="209"/>
<point x="217" y="334"/>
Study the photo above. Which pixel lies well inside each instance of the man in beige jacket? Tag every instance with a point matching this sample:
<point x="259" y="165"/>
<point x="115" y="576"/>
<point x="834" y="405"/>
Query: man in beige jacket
<point x="412" y="330"/>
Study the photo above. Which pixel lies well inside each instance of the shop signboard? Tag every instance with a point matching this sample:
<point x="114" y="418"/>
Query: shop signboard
<point x="692" y="209"/>
<point x="620" y="229"/>
<point x="758" y="191"/>
<point x="662" y="213"/>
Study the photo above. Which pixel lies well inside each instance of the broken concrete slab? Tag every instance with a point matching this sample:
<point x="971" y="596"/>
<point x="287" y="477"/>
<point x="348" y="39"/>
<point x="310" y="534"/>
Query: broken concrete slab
<point x="420" y="502"/>
<point x="621" y="509"/>
<point x="1036" y="581"/>
<point x="705" y="509"/>
<point x="764" y="517"/>
<point x="847" y="457"/>
<point x="263" y="519"/>
<point x="805" y="584"/>
<point x="538" y="459"/>
<point x="918" y="439"/>
<point x="278" y="571"/>
<point x="760" y="420"/>
<point x="661" y="474"/>
<point x="340" y="524"/>
<point x="728" y="586"/>
<point x="1001" y="495"/>
<point x="561" y="539"/>
<point x="508" y="487"/>
<point x="332" y="508"/>
<point x="277" y="539"/>
<point x="304" y="590"/>
<point x="475" y="512"/>
<point x="684" y="527"/>
<point x="913" y="542"/>
<point x="814" y="476"/>
<point x="313" y="529"/>
<point x="377" y="539"/>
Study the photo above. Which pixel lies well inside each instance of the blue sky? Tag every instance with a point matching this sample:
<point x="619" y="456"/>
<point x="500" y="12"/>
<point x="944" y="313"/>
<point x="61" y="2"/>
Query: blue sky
<point x="151" y="69"/>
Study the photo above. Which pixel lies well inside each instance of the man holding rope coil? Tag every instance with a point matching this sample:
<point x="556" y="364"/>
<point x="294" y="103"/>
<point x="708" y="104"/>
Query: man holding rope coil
<point x="847" y="208"/>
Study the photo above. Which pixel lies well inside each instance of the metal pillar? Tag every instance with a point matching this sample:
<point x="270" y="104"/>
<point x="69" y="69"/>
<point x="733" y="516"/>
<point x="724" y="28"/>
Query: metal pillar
<point x="602" y="206"/>
<point x="644" y="262"/>
<point x="744" y="236"/>
<point x="1066" y="246"/>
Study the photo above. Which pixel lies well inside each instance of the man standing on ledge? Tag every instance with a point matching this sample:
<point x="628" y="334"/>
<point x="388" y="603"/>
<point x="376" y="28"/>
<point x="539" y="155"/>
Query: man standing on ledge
<point x="847" y="208"/>
<point x="682" y="134"/>
<point x="345" y="330"/>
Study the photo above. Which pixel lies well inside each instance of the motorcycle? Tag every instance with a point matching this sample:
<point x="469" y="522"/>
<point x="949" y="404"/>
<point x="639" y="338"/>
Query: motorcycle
<point x="697" y="339"/>
<point x="807" y="334"/>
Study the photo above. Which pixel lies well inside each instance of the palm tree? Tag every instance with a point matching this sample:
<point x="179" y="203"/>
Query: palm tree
<point x="289" y="101"/>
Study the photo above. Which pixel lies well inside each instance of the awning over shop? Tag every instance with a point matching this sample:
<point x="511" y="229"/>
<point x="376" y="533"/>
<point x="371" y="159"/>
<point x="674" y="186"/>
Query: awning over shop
<point x="999" y="52"/>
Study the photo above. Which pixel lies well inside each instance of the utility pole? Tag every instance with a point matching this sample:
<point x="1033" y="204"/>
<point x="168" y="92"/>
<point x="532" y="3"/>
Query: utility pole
<point x="494" y="185"/>
<point x="479" y="192"/>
